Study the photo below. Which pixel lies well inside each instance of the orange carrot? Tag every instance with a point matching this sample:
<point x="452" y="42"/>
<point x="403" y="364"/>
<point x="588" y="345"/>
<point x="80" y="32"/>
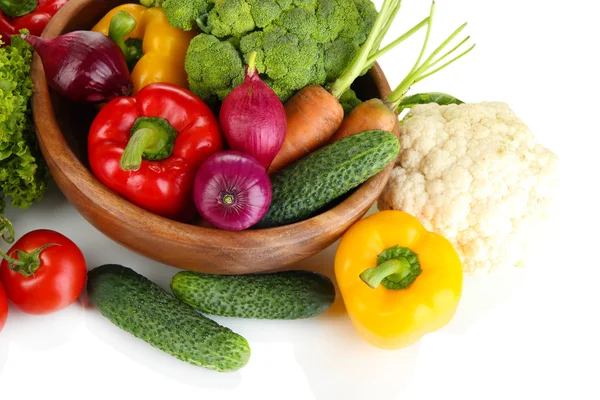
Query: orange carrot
<point x="383" y="114"/>
<point x="313" y="115"/>
<point x="370" y="115"/>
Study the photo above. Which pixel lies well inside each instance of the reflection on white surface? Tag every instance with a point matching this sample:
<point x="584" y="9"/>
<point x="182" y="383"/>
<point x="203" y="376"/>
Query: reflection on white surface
<point x="149" y="357"/>
<point x="327" y="350"/>
<point x="43" y="332"/>
<point x="3" y="350"/>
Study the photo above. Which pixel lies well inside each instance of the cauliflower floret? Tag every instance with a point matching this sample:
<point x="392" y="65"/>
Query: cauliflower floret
<point x="474" y="174"/>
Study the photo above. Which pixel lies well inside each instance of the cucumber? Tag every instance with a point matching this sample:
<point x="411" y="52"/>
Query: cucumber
<point x="280" y="295"/>
<point x="303" y="189"/>
<point x="145" y="310"/>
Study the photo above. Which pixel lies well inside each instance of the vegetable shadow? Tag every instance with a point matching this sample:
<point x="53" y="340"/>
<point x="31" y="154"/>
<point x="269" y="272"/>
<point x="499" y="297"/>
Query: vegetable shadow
<point x="43" y="332"/>
<point x="134" y="348"/>
<point x="337" y="360"/>
<point x="333" y="357"/>
<point x="155" y="359"/>
<point x="39" y="332"/>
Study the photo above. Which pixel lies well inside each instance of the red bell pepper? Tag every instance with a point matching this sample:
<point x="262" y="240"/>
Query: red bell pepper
<point x="33" y="15"/>
<point x="148" y="147"/>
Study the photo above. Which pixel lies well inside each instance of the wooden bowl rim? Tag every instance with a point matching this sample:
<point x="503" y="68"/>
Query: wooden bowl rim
<point x="113" y="204"/>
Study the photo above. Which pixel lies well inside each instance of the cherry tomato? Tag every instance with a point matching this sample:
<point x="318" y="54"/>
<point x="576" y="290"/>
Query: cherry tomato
<point x="43" y="272"/>
<point x="3" y="308"/>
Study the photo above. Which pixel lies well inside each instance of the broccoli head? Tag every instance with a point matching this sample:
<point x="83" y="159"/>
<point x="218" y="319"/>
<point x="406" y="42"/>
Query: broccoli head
<point x="213" y="66"/>
<point x="185" y="14"/>
<point x="298" y="42"/>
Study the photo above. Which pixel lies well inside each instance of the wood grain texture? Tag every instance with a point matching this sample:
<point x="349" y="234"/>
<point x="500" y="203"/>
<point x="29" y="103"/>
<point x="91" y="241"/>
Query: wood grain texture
<point x="62" y="129"/>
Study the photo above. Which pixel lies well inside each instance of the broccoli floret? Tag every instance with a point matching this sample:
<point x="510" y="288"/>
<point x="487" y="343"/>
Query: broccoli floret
<point x="230" y="18"/>
<point x="285" y="63"/>
<point x="298" y="42"/>
<point x="299" y="22"/>
<point x="184" y="14"/>
<point x="151" y="3"/>
<point x="333" y="16"/>
<point x="349" y="101"/>
<point x="213" y="67"/>
<point x="264" y="11"/>
<point x="338" y="55"/>
<point x="366" y="12"/>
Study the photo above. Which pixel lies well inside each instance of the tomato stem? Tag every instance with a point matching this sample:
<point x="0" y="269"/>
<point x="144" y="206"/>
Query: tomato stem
<point x="26" y="263"/>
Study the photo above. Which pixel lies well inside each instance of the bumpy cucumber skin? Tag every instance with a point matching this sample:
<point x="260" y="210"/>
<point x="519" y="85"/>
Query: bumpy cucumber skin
<point x="280" y="295"/>
<point x="301" y="190"/>
<point x="142" y="308"/>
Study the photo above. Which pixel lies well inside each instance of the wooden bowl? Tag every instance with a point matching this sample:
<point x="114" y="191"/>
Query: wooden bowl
<point x="62" y="128"/>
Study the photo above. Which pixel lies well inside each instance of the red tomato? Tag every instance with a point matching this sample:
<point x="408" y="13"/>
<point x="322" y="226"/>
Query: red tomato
<point x="54" y="283"/>
<point x="3" y="308"/>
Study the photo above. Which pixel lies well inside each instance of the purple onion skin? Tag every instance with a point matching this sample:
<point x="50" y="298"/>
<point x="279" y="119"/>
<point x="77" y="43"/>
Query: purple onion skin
<point x="240" y="176"/>
<point x="253" y="119"/>
<point x="83" y="66"/>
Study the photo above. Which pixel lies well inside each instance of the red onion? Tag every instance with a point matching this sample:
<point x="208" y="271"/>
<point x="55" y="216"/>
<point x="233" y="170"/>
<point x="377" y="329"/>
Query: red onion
<point x="83" y="66"/>
<point x="253" y="118"/>
<point x="232" y="190"/>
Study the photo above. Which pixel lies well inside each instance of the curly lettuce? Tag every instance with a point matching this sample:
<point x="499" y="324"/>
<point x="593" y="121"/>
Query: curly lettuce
<point x="23" y="172"/>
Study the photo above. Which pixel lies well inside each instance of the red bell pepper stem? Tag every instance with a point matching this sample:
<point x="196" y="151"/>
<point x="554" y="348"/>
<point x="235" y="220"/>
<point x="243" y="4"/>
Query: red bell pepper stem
<point x="18" y="8"/>
<point x="151" y="139"/>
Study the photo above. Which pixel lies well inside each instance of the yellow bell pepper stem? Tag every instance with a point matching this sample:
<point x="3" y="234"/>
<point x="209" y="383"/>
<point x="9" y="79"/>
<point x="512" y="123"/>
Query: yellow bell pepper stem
<point x="121" y="25"/>
<point x="163" y="47"/>
<point x="398" y="281"/>
<point x="392" y="271"/>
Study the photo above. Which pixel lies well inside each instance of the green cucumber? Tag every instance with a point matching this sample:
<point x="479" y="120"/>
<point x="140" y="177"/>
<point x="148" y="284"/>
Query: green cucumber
<point x="303" y="189"/>
<point x="279" y="295"/>
<point x="142" y="308"/>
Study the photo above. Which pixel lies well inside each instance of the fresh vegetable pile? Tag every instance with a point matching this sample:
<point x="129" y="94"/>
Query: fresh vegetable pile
<point x="242" y="113"/>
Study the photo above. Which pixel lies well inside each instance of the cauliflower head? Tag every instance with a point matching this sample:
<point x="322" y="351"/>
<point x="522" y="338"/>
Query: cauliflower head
<point x="474" y="174"/>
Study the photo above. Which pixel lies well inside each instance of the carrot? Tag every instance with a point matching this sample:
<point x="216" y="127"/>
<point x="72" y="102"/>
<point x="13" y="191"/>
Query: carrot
<point x="314" y="114"/>
<point x="383" y="114"/>
<point x="311" y="107"/>
<point x="370" y="115"/>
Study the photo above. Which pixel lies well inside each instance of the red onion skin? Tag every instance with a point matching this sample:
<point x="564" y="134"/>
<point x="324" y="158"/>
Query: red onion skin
<point x="239" y="175"/>
<point x="83" y="66"/>
<point x="253" y="119"/>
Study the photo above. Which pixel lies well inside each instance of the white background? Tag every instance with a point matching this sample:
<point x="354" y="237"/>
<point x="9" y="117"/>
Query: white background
<point x="522" y="333"/>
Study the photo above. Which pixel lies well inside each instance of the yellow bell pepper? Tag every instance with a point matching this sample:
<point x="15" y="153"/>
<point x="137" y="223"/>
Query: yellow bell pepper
<point x="154" y="50"/>
<point x="398" y="281"/>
